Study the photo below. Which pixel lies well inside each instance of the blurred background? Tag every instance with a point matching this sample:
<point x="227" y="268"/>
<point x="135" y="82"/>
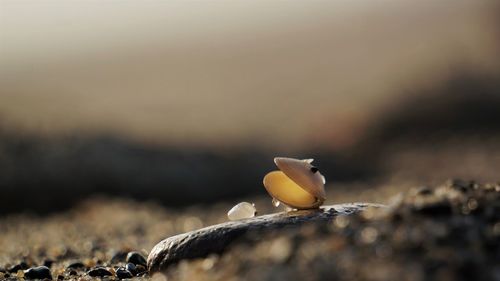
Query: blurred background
<point x="183" y="102"/>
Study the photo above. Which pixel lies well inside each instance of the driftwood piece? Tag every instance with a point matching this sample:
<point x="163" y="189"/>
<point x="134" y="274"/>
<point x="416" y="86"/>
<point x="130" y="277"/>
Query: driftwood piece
<point x="216" y="238"/>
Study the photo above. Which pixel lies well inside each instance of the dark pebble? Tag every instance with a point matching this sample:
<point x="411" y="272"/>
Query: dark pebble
<point x="72" y="272"/>
<point x="217" y="238"/>
<point x="123" y="273"/>
<point x="460" y="185"/>
<point x="99" y="272"/>
<point x="424" y="191"/>
<point x="119" y="256"/>
<point x="438" y="208"/>
<point x="60" y="277"/>
<point x="20" y="266"/>
<point x="131" y="267"/>
<point x="136" y="258"/>
<point x="76" y="265"/>
<point x="39" y="272"/>
<point x="48" y="263"/>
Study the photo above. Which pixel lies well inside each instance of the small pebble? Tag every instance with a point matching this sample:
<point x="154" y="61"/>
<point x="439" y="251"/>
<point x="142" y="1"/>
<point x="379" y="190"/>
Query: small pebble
<point x="73" y="272"/>
<point x="20" y="266"/>
<point x="39" y="272"/>
<point x="60" y="277"/>
<point x="119" y="256"/>
<point x="76" y="265"/>
<point x="131" y="267"/>
<point x="136" y="258"/>
<point x="99" y="272"/>
<point x="123" y="273"/>
<point x="460" y="185"/>
<point x="48" y="263"/>
<point x="423" y="191"/>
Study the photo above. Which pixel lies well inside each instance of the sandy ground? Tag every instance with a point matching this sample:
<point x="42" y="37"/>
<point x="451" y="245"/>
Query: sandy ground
<point x="448" y="233"/>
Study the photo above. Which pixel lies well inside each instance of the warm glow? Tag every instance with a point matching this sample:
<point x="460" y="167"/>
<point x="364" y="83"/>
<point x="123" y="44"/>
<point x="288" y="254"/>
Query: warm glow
<point x="287" y="191"/>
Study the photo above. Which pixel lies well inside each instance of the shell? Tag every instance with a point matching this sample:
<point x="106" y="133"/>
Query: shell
<point x="299" y="184"/>
<point x="243" y="210"/>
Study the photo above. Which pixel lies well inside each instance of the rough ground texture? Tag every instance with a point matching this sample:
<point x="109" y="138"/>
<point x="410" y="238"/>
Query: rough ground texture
<point x="449" y="232"/>
<point x="215" y="239"/>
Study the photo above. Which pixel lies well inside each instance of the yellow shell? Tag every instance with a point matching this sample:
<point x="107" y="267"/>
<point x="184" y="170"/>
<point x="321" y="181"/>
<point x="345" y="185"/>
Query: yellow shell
<point x="298" y="185"/>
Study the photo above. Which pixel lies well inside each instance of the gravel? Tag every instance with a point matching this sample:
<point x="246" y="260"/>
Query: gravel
<point x="447" y="232"/>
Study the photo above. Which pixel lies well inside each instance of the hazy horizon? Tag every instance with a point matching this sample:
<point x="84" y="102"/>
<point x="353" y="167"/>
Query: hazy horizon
<point x="176" y="72"/>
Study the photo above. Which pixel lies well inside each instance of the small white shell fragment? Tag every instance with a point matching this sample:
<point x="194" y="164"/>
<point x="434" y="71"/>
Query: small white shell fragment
<point x="275" y="202"/>
<point x="243" y="210"/>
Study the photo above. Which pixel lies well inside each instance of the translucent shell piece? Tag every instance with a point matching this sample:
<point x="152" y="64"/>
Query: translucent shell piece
<point x="304" y="174"/>
<point x="299" y="184"/>
<point x="243" y="210"/>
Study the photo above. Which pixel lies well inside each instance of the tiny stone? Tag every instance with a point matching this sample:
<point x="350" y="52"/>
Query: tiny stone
<point x="460" y="185"/>
<point x="20" y="266"/>
<point x="48" y="263"/>
<point x="60" y="277"/>
<point x="123" y="273"/>
<point x="76" y="265"/>
<point x="99" y="272"/>
<point x="39" y="272"/>
<point x="423" y="191"/>
<point x="131" y="267"/>
<point x="136" y="258"/>
<point x="275" y="202"/>
<point x="119" y="256"/>
<point x="73" y="272"/>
